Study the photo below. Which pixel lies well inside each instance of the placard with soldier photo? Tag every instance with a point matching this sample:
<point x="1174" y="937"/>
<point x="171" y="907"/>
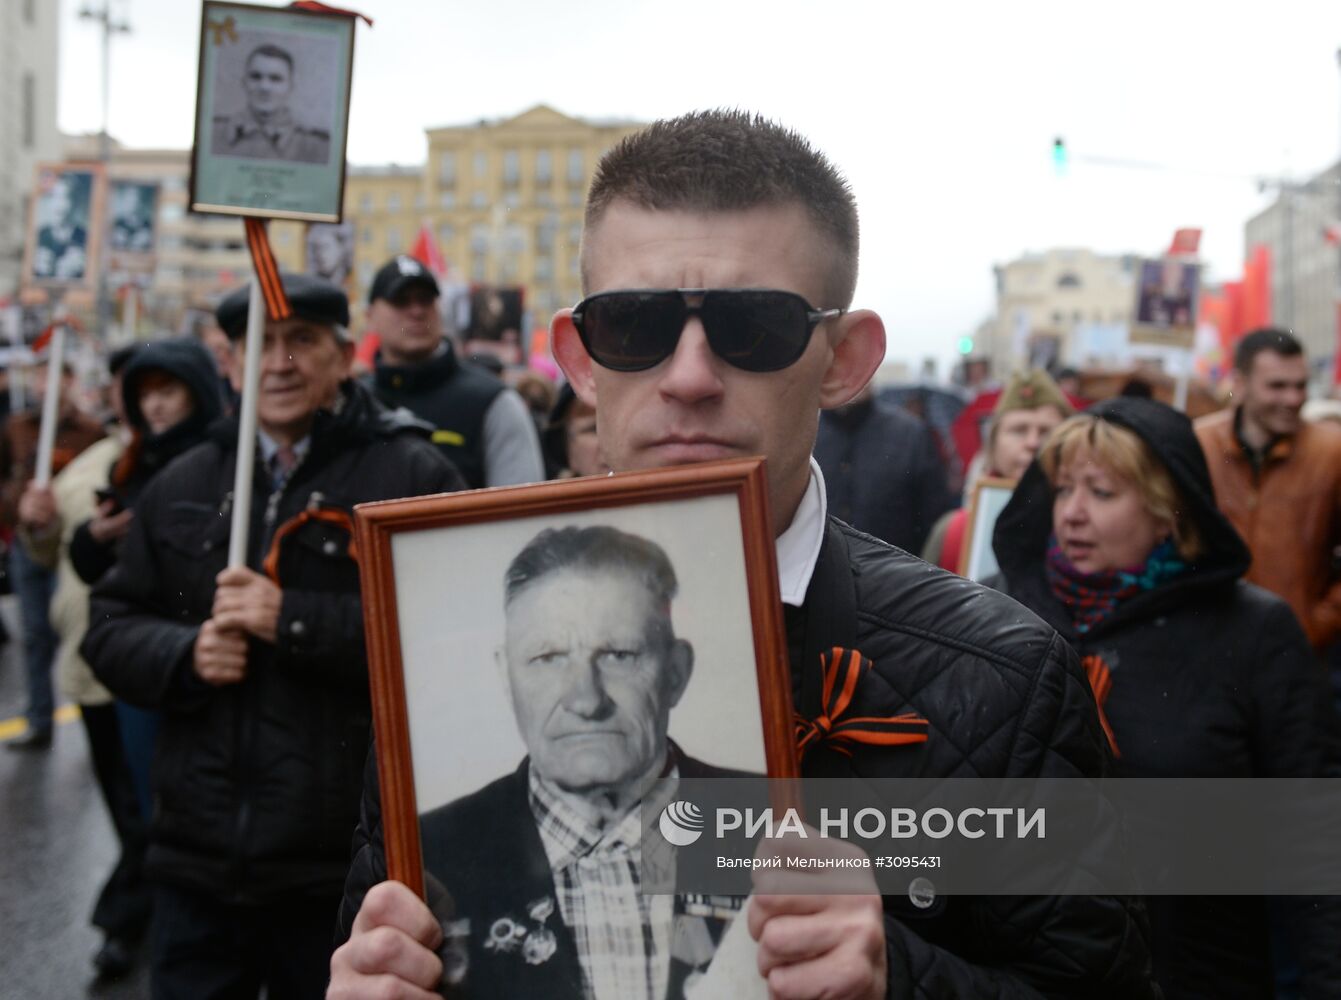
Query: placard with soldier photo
<point x="272" y="112"/>
<point x="130" y="235"/>
<point x="611" y="637"/>
<point x="65" y="226"/>
<point x="1167" y="292"/>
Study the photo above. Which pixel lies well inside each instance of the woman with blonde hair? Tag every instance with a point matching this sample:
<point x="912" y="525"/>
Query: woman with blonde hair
<point x="1113" y="537"/>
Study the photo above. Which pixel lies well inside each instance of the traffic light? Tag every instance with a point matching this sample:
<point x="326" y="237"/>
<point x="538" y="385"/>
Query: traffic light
<point x="965" y="345"/>
<point x="1059" y="155"/>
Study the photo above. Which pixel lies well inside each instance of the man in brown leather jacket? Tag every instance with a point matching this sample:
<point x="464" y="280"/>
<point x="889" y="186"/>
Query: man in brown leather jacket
<point x="1278" y="479"/>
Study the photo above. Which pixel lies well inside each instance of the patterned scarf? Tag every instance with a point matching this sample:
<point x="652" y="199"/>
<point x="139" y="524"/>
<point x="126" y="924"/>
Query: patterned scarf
<point x="1092" y="597"/>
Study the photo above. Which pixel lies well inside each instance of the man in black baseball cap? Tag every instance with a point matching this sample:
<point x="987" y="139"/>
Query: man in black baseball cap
<point x="480" y="424"/>
<point x="259" y="671"/>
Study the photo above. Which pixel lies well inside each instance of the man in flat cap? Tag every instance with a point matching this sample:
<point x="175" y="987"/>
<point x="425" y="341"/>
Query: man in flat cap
<point x="259" y="671"/>
<point x="479" y="423"/>
<point x="266" y="128"/>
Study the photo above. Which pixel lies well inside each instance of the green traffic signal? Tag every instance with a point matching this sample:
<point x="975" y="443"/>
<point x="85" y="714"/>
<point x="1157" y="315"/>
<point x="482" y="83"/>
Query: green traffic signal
<point x="1059" y="154"/>
<point x="965" y="345"/>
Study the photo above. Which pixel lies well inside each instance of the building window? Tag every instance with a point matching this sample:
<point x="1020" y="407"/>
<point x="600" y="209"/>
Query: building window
<point x="29" y="11"/>
<point x="544" y="166"/>
<point x="544" y="268"/>
<point x="447" y="170"/>
<point x="577" y="169"/>
<point x="543" y="198"/>
<point x="479" y="200"/>
<point x="419" y="201"/>
<point x="574" y="234"/>
<point x="365" y="274"/>
<point x="479" y="270"/>
<point x="511" y="199"/>
<point x="1068" y="280"/>
<point x="447" y="199"/>
<point x="393" y="243"/>
<point x="511" y="168"/>
<point x="365" y="203"/>
<point x="479" y="240"/>
<point x="544" y="237"/>
<point x="575" y="197"/>
<point x="446" y="233"/>
<point x="481" y="163"/>
<point x="366" y="234"/>
<point x="393" y="202"/>
<point x="29" y="111"/>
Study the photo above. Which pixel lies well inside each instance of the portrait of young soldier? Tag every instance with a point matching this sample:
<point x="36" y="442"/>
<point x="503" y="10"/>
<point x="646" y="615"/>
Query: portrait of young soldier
<point x="719" y="263"/>
<point x="267" y="127"/>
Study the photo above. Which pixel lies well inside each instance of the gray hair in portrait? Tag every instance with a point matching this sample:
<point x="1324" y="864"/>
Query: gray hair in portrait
<point x="599" y="547"/>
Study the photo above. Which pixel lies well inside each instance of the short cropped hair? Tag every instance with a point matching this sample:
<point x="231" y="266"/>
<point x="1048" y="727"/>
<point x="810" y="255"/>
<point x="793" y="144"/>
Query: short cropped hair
<point x="273" y="52"/>
<point x="1125" y="455"/>
<point x="600" y="547"/>
<point x="725" y="161"/>
<point x="1272" y="339"/>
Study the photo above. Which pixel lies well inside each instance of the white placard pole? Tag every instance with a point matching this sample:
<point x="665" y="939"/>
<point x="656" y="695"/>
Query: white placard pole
<point x="246" y="433"/>
<point x="46" y="435"/>
<point x="131" y="317"/>
<point x="1180" y="387"/>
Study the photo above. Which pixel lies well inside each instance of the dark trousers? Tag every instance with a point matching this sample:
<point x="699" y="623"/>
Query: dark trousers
<point x="123" y="905"/>
<point x="34" y="585"/>
<point x="207" y="950"/>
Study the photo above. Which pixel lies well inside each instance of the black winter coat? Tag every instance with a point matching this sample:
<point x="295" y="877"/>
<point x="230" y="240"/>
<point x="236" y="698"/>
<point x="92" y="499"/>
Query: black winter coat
<point x="1211" y="677"/>
<point x="256" y="784"/>
<point x="1004" y="696"/>
<point x="883" y="472"/>
<point x="186" y="359"/>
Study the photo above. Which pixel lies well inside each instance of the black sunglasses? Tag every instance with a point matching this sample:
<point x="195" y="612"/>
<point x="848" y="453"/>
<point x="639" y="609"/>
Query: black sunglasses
<point x="754" y="329"/>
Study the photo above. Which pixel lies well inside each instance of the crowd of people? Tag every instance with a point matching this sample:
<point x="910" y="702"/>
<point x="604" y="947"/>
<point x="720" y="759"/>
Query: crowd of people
<point x="1181" y="584"/>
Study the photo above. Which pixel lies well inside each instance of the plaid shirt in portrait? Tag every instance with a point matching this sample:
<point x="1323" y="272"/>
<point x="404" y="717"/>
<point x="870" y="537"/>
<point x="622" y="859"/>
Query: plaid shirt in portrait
<point x="623" y="937"/>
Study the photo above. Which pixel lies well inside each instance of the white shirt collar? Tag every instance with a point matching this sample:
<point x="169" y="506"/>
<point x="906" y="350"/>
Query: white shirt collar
<point x="799" y="546"/>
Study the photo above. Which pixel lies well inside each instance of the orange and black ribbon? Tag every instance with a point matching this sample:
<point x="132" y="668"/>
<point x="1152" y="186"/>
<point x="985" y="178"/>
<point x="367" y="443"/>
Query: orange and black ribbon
<point x="321" y="8"/>
<point x="327" y="515"/>
<point x="843" y="670"/>
<point x="1101" y="682"/>
<point x="263" y="259"/>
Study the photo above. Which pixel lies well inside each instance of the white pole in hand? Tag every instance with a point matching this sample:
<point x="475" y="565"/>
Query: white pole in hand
<point x="246" y="432"/>
<point x="46" y="435"/>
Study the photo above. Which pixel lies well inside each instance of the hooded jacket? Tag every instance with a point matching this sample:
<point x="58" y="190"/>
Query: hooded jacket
<point x="256" y="784"/>
<point x="1211" y="677"/>
<point x="184" y="358"/>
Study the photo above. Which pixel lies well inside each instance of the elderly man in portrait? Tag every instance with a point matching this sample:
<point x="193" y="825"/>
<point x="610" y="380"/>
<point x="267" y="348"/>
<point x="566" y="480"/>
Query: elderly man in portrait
<point x="266" y="128"/>
<point x="543" y="865"/>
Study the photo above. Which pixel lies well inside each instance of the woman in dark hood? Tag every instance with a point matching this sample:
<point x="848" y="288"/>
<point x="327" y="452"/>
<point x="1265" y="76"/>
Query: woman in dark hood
<point x="171" y="395"/>
<point x="1114" y="538"/>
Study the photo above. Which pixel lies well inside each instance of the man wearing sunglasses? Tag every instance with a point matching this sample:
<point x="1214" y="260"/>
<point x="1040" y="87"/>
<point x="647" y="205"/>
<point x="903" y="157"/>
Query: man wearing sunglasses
<point x="720" y="261"/>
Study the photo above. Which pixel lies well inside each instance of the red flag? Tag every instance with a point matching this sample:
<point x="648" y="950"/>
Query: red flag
<point x="1185" y="242"/>
<point x="425" y="250"/>
<point x="1332" y="233"/>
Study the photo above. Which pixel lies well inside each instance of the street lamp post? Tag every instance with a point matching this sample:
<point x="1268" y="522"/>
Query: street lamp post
<point x="110" y="26"/>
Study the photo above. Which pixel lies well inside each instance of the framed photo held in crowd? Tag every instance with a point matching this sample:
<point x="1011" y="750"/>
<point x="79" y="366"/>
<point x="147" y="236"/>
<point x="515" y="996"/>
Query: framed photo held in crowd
<point x="131" y="228"/>
<point x="272" y="112"/>
<point x="65" y="226"/>
<point x="329" y="251"/>
<point x="977" y="561"/>
<point x="535" y="650"/>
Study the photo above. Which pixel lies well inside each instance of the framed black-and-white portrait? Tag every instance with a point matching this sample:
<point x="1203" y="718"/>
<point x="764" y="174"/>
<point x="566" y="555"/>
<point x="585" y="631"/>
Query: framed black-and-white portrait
<point x="65" y="226"/>
<point x="1167" y="296"/>
<point x="272" y="112"/>
<point x="130" y="231"/>
<point x="329" y="251"/>
<point x="977" y="561"/>
<point x="570" y="640"/>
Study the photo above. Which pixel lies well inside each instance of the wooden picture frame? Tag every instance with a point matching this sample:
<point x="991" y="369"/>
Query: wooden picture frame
<point x="272" y="112"/>
<point x="63" y="245"/>
<point x="990" y="496"/>
<point x="433" y="570"/>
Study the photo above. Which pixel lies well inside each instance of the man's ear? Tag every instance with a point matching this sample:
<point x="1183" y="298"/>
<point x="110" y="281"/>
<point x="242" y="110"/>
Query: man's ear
<point x="681" y="669"/>
<point x="858" y="344"/>
<point x="1237" y="384"/>
<point x="572" y="356"/>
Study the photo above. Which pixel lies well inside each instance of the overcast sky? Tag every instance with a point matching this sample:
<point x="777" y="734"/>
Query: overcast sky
<point x="941" y="115"/>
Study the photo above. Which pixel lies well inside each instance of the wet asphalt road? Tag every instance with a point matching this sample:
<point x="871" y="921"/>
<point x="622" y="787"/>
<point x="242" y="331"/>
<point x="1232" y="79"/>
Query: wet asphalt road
<point x="56" y="847"/>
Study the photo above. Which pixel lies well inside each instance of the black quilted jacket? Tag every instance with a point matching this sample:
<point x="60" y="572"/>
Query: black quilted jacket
<point x="1004" y="696"/>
